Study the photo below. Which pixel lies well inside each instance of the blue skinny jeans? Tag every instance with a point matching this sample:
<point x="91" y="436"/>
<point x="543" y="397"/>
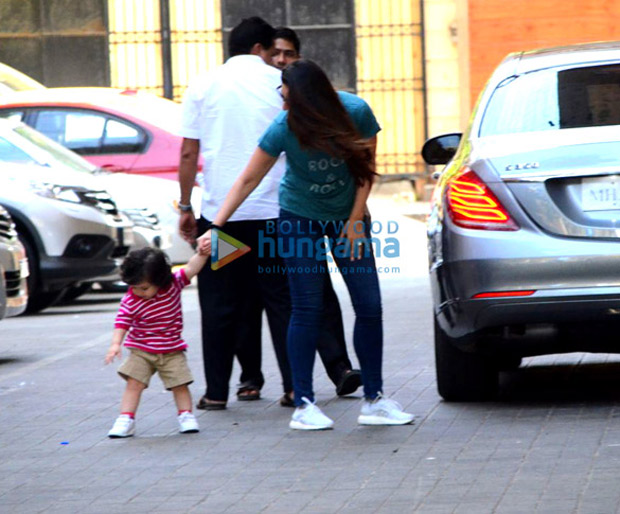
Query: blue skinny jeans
<point x="303" y="243"/>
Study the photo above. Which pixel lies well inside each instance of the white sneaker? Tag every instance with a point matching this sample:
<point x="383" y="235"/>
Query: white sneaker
<point x="188" y="423"/>
<point x="383" y="411"/>
<point x="124" y="426"/>
<point x="309" y="417"/>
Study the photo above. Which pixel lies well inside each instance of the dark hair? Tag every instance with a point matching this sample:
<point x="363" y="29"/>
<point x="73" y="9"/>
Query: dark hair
<point x="147" y="264"/>
<point x="290" y="35"/>
<point x="249" y="32"/>
<point x="320" y="122"/>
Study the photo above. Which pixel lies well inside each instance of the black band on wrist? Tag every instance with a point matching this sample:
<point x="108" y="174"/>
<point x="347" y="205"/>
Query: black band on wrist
<point x="214" y="226"/>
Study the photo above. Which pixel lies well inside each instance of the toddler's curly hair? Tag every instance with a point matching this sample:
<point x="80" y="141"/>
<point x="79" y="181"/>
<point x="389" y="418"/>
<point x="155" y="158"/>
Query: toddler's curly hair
<point x="147" y="265"/>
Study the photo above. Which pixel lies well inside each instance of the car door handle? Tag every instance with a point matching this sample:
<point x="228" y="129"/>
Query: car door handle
<point x="113" y="167"/>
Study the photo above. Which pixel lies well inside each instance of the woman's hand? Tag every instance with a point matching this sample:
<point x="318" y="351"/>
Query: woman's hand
<point x="355" y="234"/>
<point x="204" y="243"/>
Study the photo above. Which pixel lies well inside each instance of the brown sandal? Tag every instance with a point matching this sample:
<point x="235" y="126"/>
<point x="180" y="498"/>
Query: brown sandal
<point x="205" y="404"/>
<point x="248" y="393"/>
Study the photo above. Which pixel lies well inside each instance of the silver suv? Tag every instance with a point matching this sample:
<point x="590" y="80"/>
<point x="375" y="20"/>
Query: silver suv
<point x="13" y="269"/>
<point x="70" y="233"/>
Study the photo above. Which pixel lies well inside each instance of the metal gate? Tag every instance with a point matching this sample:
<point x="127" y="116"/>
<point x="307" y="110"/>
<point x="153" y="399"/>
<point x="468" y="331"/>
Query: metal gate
<point x="372" y="47"/>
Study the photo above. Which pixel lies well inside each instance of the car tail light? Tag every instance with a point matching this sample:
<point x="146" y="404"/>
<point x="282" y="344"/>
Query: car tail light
<point x="504" y="294"/>
<point x="472" y="204"/>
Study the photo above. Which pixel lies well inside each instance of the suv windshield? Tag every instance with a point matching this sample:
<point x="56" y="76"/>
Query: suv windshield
<point x="554" y="99"/>
<point x="47" y="151"/>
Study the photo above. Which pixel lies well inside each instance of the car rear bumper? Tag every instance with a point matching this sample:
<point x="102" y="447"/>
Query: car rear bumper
<point x="560" y="293"/>
<point x="459" y="318"/>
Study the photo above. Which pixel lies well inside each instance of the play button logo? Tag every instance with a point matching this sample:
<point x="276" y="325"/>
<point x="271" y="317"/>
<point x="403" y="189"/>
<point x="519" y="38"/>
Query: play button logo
<point x="225" y="249"/>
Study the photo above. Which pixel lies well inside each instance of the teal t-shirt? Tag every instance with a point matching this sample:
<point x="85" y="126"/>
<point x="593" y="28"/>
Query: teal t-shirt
<point x="316" y="185"/>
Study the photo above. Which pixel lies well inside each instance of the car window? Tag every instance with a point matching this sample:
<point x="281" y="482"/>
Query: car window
<point x="554" y="99"/>
<point x="12" y="115"/>
<point x="121" y="137"/>
<point x="11" y="153"/>
<point x="89" y="133"/>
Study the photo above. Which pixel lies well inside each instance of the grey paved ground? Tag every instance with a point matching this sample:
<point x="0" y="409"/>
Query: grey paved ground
<point x="551" y="445"/>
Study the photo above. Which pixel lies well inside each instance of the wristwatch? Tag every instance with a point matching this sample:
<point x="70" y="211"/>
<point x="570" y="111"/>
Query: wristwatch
<point x="184" y="208"/>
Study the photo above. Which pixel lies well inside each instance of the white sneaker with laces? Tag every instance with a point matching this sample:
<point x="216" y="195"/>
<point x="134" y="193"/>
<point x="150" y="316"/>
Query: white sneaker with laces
<point x="383" y="411"/>
<point x="309" y="417"/>
<point x="188" y="423"/>
<point x="124" y="426"/>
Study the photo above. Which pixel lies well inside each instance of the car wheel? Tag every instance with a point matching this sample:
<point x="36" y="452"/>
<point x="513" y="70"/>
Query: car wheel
<point x="463" y="376"/>
<point x="44" y="300"/>
<point x="75" y="292"/>
<point x="37" y="299"/>
<point x="508" y="362"/>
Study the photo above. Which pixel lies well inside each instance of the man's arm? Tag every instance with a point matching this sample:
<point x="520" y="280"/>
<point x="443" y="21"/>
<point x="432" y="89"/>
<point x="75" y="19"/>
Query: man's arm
<point x="188" y="167"/>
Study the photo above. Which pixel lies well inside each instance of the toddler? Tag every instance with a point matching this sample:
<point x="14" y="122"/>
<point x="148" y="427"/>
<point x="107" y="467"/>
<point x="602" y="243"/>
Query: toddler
<point x="151" y="318"/>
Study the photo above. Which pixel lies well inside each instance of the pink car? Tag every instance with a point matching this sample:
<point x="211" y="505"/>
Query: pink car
<point x="118" y="130"/>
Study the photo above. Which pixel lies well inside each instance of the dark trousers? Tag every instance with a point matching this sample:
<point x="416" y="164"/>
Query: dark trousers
<point x="232" y="299"/>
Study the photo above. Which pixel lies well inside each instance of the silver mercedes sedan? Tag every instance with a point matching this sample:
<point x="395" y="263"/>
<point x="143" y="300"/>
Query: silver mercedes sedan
<point x="524" y="232"/>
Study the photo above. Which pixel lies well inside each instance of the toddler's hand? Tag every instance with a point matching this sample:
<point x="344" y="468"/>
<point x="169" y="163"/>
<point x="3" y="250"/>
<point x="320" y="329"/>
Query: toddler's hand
<point x="204" y="244"/>
<point x="113" y="352"/>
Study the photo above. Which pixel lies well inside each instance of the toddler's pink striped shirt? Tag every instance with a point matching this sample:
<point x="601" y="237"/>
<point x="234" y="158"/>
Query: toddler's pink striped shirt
<point x="154" y="325"/>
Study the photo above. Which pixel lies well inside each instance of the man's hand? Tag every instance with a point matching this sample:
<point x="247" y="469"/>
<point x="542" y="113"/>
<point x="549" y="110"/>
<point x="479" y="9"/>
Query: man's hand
<point x="187" y="227"/>
<point x="113" y="353"/>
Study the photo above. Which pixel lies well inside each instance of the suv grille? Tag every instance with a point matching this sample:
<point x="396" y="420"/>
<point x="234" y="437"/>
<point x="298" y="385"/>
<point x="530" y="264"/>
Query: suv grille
<point x="100" y="200"/>
<point x="142" y="217"/>
<point x="13" y="283"/>
<point x="7" y="227"/>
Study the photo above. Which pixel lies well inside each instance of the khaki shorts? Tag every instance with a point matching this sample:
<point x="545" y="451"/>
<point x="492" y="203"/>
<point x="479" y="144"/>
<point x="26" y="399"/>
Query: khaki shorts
<point x="172" y="368"/>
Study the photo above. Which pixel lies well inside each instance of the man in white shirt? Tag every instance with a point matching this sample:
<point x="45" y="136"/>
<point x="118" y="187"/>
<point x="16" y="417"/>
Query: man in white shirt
<point x="224" y="114"/>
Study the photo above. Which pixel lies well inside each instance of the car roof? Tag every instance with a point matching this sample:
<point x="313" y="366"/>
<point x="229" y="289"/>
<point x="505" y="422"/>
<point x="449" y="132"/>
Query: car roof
<point x="542" y="58"/>
<point x="15" y="80"/>
<point x="91" y="95"/>
<point x="141" y="105"/>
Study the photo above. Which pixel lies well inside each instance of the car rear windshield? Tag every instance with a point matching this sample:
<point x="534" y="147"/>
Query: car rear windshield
<point x="554" y="99"/>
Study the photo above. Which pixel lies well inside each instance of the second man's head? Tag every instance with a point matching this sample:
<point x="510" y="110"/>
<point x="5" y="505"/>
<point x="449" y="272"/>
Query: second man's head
<point x="286" y="47"/>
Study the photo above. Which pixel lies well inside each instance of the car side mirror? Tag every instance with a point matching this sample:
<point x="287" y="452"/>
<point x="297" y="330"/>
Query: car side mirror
<point x="440" y="149"/>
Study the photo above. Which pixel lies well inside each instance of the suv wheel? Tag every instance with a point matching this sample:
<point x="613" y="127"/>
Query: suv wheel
<point x="463" y="376"/>
<point x="37" y="299"/>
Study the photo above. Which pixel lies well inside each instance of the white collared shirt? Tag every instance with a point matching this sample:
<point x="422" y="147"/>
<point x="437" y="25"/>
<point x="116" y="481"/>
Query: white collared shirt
<point x="228" y="110"/>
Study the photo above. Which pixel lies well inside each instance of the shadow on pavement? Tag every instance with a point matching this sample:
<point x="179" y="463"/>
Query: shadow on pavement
<point x="598" y="382"/>
<point x="11" y="360"/>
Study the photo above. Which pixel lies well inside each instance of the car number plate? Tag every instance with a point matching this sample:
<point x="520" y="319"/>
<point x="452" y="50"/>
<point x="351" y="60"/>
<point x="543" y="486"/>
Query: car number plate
<point x="600" y="193"/>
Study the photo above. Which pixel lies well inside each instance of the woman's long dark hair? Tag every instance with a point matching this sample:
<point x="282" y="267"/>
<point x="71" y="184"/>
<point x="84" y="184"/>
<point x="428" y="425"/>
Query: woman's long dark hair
<point x="320" y="122"/>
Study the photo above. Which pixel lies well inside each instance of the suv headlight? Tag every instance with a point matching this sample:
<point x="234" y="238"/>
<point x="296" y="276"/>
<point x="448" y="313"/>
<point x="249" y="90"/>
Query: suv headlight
<point x="56" y="192"/>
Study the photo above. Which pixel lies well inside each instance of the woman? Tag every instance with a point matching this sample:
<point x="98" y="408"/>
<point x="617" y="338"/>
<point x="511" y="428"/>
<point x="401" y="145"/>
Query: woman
<point x="329" y="139"/>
